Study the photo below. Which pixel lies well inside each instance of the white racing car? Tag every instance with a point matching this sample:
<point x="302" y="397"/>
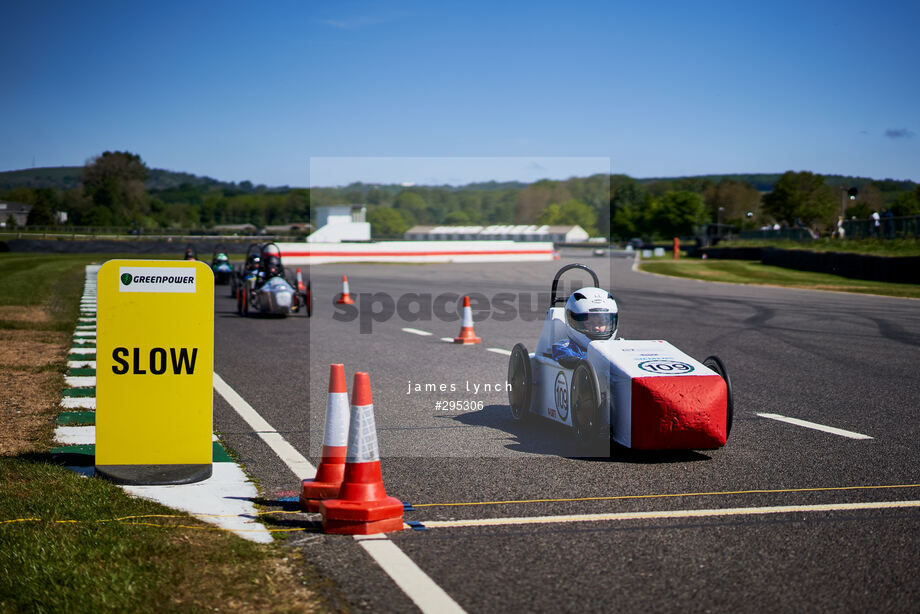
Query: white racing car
<point x="266" y="290"/>
<point x="645" y="395"/>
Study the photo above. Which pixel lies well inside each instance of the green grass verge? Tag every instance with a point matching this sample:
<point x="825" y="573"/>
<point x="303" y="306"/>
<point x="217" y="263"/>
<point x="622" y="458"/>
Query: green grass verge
<point x="753" y="272"/>
<point x="51" y="283"/>
<point x="37" y="279"/>
<point x="874" y="247"/>
<point x="77" y="557"/>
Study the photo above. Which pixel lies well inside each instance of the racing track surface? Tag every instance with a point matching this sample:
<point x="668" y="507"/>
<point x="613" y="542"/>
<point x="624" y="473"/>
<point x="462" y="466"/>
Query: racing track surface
<point x="841" y="360"/>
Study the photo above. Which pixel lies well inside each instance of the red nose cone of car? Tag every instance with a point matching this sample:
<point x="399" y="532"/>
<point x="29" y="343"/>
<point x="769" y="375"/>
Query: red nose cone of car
<point x="679" y="413"/>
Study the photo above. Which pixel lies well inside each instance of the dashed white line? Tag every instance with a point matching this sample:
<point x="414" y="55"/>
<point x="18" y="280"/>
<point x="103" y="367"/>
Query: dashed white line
<point x="815" y="426"/>
<point x="499" y="351"/>
<point x="416" y="331"/>
<point x="735" y="511"/>
<point x="421" y="589"/>
<point x="447" y="339"/>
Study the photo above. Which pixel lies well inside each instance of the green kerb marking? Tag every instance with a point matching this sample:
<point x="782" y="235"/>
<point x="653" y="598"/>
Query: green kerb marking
<point x="79" y="392"/>
<point x="77" y="418"/>
<point x="79" y="357"/>
<point x="80" y="372"/>
<point x="89" y="450"/>
<point x="220" y="454"/>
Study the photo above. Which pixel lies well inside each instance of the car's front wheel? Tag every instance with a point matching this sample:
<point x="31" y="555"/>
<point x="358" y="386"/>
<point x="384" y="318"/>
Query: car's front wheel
<point x="586" y="403"/>
<point x="715" y="363"/>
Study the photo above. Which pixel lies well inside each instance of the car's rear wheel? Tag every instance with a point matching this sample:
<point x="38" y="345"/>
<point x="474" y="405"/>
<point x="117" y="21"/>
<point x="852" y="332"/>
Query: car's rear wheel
<point x="586" y="403"/>
<point x="716" y="364"/>
<point x="520" y="377"/>
<point x="244" y="299"/>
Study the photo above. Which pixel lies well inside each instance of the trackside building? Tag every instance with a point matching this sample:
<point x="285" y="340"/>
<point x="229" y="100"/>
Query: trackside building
<point x="554" y="234"/>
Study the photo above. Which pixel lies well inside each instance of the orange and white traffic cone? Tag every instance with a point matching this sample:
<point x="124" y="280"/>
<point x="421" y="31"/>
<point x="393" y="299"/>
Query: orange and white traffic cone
<point x="300" y="286"/>
<point x="362" y="506"/>
<point x="331" y="469"/>
<point x="467" y="336"/>
<point x="344" y="298"/>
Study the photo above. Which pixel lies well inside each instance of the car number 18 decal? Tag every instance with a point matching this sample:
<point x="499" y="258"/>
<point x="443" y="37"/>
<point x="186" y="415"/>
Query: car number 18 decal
<point x="562" y="396"/>
<point x="665" y="367"/>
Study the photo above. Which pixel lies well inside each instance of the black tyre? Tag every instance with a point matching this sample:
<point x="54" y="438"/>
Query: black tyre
<point x="308" y="300"/>
<point x="586" y="403"/>
<point x="520" y="377"/>
<point x="244" y="299"/>
<point x="239" y="301"/>
<point x="716" y="364"/>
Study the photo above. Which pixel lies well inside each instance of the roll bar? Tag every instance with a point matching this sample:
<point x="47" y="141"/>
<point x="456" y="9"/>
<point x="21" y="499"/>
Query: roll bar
<point x="553" y="299"/>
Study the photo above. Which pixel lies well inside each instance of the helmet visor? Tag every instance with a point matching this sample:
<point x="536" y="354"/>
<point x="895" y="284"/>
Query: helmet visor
<point x="594" y="325"/>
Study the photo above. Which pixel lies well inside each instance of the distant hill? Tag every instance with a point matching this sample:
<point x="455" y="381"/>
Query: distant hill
<point x="67" y="177"/>
<point x="764" y="181"/>
<point x="160" y="180"/>
<point x="64" y="177"/>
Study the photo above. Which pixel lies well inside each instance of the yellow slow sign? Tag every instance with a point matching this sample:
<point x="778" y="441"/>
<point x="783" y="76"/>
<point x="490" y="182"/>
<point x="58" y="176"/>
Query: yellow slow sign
<point x="154" y="371"/>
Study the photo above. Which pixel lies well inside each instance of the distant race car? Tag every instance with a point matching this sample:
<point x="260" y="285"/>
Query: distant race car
<point x="249" y="267"/>
<point x="644" y="395"/>
<point x="266" y="289"/>
<point x="220" y="264"/>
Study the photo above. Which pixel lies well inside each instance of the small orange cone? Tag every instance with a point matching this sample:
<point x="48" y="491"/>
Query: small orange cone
<point x="331" y="469"/>
<point x="362" y="507"/>
<point x="557" y="256"/>
<point x="300" y="285"/>
<point x="344" y="298"/>
<point x="467" y="336"/>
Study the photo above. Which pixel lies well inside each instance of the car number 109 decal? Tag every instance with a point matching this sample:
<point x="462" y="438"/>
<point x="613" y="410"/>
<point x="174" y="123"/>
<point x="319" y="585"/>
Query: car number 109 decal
<point x="665" y="367"/>
<point x="562" y="396"/>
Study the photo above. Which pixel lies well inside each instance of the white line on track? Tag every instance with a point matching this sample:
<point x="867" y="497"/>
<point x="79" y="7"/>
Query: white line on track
<point x="428" y="596"/>
<point x="499" y="351"/>
<point x="736" y="511"/>
<point x="815" y="426"/>
<point x="416" y="331"/>
<point x="447" y="339"/>
<point x="421" y="589"/>
<point x="301" y="467"/>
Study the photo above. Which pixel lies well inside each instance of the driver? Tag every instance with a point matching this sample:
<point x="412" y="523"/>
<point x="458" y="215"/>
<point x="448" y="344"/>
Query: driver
<point x="271" y="262"/>
<point x="590" y="314"/>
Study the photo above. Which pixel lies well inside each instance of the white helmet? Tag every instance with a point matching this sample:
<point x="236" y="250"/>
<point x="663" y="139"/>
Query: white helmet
<point x="591" y="314"/>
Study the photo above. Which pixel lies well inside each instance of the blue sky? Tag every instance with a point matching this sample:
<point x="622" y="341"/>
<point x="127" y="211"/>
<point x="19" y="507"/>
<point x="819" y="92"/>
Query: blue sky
<point x="237" y="91"/>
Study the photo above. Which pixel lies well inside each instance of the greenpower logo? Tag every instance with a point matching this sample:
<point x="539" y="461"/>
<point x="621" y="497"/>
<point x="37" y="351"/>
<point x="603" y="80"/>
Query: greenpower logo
<point x="157" y="279"/>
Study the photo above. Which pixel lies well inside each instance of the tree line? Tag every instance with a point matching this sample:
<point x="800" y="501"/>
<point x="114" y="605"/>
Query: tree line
<point x="113" y="192"/>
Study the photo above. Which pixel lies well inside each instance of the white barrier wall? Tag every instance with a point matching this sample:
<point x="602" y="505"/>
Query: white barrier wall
<point x="415" y="251"/>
